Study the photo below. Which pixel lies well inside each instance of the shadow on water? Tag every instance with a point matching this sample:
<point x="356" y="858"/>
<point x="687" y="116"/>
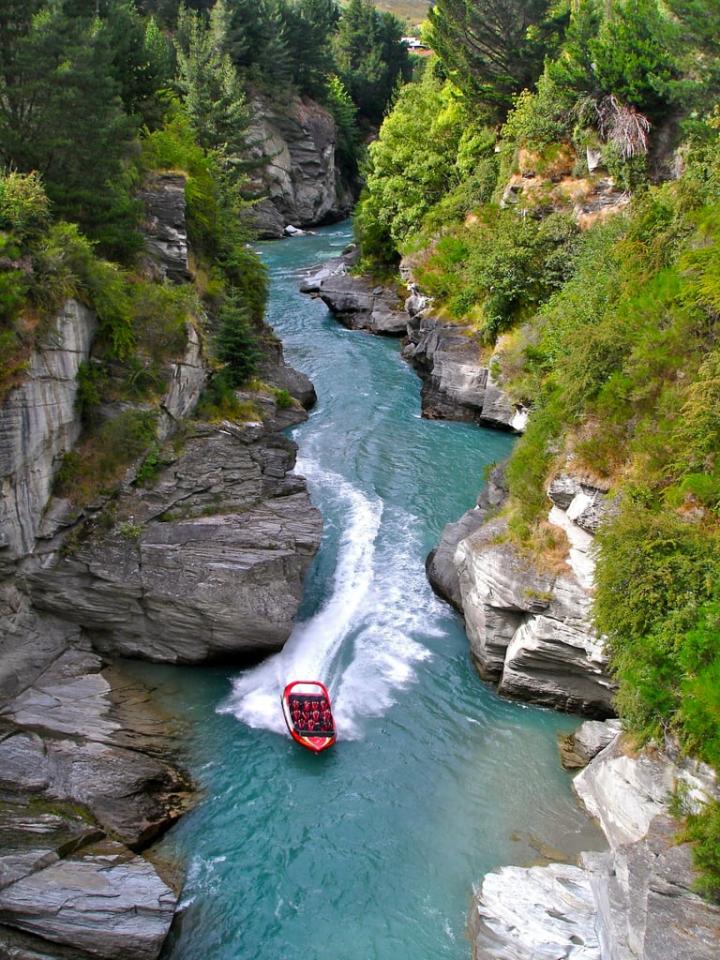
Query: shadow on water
<point x="367" y="852"/>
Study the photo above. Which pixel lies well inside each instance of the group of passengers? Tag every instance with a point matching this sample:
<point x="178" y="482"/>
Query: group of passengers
<point x="311" y="715"/>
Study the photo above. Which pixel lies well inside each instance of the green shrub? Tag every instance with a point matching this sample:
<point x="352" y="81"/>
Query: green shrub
<point x="283" y="398"/>
<point x="24" y="206"/>
<point x="704" y="830"/>
<point x="237" y="344"/>
<point x="98" y="463"/>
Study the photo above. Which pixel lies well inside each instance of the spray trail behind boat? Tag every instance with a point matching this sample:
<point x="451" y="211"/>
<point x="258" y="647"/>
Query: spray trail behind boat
<point x="313" y="646"/>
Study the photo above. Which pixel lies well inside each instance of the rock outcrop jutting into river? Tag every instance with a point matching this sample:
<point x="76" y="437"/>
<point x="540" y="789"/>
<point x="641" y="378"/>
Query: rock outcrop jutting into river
<point x="204" y="559"/>
<point x="457" y="383"/>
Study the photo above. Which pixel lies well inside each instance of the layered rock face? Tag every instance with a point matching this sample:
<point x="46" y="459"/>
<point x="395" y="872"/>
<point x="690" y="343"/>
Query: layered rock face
<point x="207" y="563"/>
<point x="529" y="629"/>
<point x="360" y="304"/>
<point x="457" y="383"/>
<point x="633" y="902"/>
<point x="165" y="229"/>
<point x="87" y="778"/>
<point x="38" y="424"/>
<point x="298" y="180"/>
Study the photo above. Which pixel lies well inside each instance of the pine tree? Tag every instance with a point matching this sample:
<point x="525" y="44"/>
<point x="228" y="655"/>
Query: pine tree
<point x="61" y="113"/>
<point x="212" y="92"/>
<point x="493" y="49"/>
<point x="370" y="56"/>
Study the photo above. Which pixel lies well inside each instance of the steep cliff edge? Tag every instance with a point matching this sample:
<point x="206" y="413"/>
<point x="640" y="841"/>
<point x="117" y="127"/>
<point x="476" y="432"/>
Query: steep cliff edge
<point x="38" y="424"/>
<point x="296" y="177"/>
<point x="529" y="626"/>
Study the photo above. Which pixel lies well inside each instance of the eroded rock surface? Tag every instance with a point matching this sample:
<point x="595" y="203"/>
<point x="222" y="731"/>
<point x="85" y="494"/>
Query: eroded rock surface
<point x="207" y="563"/>
<point x="440" y="565"/>
<point x="540" y="913"/>
<point x="360" y="304"/>
<point x="38" y="424"/>
<point x="458" y="383"/>
<point x="298" y="179"/>
<point x="165" y="227"/>
<point x="84" y="756"/>
<point x="633" y="902"/>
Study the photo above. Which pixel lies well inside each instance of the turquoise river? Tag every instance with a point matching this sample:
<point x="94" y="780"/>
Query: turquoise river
<point x="369" y="851"/>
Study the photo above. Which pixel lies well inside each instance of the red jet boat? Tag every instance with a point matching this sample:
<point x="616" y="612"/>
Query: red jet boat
<point x="306" y="708"/>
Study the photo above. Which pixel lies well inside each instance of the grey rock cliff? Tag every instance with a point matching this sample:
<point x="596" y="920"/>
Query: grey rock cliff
<point x="298" y="179"/>
<point x="457" y="383"/>
<point x="440" y="565"/>
<point x="530" y="629"/>
<point x="84" y="755"/>
<point x="634" y="902"/>
<point x="165" y="227"/>
<point x="38" y="424"/>
<point x="207" y="563"/>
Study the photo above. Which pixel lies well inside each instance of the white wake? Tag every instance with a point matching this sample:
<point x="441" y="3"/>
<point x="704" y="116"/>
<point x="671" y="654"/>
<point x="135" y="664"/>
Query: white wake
<point x="379" y="600"/>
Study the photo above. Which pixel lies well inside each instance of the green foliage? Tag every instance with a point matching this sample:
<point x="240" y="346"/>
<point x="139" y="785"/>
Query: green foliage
<point x="212" y="93"/>
<point x="411" y="165"/>
<point x="631" y="55"/>
<point x="283" y="398"/>
<point x="24" y="206"/>
<point x="369" y="56"/>
<point x="237" y="344"/>
<point x="61" y="114"/>
<point x="344" y="112"/>
<point x="493" y="50"/>
<point x="99" y="463"/>
<point x="704" y="830"/>
<point x="500" y="268"/>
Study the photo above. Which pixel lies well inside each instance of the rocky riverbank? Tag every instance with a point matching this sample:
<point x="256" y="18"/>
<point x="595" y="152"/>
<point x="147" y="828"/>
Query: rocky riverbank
<point x="529" y="625"/>
<point x="196" y="554"/>
<point x="635" y="901"/>
<point x="458" y="379"/>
